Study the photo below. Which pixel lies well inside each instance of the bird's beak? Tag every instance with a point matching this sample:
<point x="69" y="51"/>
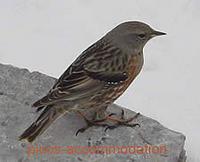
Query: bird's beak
<point x="157" y="33"/>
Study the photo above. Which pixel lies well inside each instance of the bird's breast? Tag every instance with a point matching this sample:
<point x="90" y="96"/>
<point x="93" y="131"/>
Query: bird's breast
<point x="135" y="64"/>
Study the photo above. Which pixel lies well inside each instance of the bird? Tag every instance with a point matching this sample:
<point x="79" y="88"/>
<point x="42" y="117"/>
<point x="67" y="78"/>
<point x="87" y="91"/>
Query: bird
<point x="97" y="77"/>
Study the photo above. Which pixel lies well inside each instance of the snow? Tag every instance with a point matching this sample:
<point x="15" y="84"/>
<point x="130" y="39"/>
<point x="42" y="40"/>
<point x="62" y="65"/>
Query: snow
<point x="47" y="35"/>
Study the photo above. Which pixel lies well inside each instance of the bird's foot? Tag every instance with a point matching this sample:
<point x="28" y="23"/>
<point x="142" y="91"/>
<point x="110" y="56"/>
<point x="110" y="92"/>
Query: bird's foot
<point x="94" y="122"/>
<point x="122" y="121"/>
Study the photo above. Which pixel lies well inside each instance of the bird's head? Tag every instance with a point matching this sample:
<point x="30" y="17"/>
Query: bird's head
<point x="133" y="35"/>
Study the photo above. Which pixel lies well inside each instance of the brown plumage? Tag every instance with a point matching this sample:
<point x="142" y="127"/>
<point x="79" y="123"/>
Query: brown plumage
<point x="97" y="77"/>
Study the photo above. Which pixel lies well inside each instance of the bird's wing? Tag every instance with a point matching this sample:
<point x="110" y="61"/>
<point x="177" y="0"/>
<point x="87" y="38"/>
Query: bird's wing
<point x="95" y="67"/>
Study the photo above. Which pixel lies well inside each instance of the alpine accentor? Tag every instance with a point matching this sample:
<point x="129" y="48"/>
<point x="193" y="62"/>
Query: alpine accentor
<point x="96" y="78"/>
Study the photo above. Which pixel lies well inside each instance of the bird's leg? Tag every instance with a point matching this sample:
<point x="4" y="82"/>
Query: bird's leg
<point x="93" y="122"/>
<point x="100" y="113"/>
<point x="122" y="121"/>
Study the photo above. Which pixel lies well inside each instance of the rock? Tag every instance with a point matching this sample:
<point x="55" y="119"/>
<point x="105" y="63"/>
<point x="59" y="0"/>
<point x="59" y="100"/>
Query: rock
<point x="20" y="88"/>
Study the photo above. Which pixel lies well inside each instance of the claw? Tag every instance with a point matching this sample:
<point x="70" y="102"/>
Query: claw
<point x="110" y="127"/>
<point x="132" y="125"/>
<point x="81" y="130"/>
<point x="121" y="124"/>
<point x="111" y="114"/>
<point x="122" y="114"/>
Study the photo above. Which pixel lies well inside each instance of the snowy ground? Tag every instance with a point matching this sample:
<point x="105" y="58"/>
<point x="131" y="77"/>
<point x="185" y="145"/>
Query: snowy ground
<point x="47" y="35"/>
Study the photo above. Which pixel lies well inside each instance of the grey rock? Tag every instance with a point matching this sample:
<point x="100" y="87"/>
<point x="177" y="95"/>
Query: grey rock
<point x="20" y="88"/>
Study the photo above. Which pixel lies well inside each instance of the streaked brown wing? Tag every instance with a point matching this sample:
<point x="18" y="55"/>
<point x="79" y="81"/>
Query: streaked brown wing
<point x="95" y="67"/>
<point x="74" y="86"/>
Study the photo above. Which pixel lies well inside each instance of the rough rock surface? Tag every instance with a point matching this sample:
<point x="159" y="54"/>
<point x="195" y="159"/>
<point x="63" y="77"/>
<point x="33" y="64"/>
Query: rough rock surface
<point x="20" y="88"/>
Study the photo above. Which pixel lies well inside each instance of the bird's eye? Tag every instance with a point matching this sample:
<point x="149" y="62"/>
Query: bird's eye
<point x="141" y="36"/>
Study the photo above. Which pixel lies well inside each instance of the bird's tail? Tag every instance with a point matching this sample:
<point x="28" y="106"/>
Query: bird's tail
<point x="48" y="115"/>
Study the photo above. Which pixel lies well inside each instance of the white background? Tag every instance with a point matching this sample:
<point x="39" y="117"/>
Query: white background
<point x="47" y="35"/>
